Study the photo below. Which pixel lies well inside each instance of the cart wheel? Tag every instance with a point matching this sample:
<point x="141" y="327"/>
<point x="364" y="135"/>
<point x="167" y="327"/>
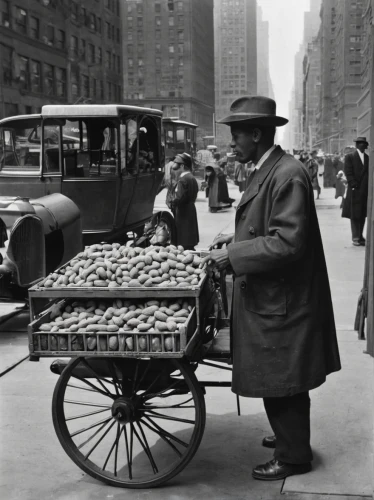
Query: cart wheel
<point x="140" y="423"/>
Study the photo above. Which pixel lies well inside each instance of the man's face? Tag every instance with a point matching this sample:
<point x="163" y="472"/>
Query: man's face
<point x="361" y="146"/>
<point x="177" y="169"/>
<point x="243" y="144"/>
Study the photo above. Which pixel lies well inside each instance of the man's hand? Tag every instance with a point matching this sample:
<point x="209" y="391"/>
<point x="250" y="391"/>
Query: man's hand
<point x="221" y="239"/>
<point x="219" y="259"/>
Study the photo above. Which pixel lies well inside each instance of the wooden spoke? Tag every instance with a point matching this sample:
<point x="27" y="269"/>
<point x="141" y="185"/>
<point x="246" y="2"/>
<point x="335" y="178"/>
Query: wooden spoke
<point x="106" y="393"/>
<point x="91" y="370"/>
<point x="93" y="435"/>
<point x="87" y="414"/>
<point x="99" y="441"/>
<point x="166" y="433"/>
<point x="167" y="417"/>
<point x="146" y="449"/>
<point x="163" y="437"/>
<point x="90" y="427"/>
<point x="128" y="453"/>
<point x="83" y="403"/>
<point x="119" y="431"/>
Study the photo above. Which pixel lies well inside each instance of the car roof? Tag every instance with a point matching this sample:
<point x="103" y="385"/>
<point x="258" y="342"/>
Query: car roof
<point x="178" y="122"/>
<point x="86" y="110"/>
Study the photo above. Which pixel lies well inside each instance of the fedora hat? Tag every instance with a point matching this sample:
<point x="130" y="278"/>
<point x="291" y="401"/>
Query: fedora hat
<point x="254" y="109"/>
<point x="361" y="139"/>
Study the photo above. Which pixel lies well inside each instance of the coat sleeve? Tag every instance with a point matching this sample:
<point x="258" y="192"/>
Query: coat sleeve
<point x="182" y="195"/>
<point x="348" y="171"/>
<point x="288" y="233"/>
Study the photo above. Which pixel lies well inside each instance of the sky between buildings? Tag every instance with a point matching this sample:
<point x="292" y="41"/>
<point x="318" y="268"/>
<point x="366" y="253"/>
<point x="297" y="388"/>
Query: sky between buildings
<point x="286" y="27"/>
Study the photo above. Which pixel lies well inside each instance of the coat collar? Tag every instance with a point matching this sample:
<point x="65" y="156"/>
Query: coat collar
<point x="261" y="175"/>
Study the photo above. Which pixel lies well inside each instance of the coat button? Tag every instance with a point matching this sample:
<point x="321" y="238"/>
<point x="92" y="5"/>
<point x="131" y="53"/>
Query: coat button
<point x="243" y="285"/>
<point x="251" y="230"/>
<point x="243" y="216"/>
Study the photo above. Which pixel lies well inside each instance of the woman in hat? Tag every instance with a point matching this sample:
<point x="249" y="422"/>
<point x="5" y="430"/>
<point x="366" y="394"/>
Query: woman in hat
<point x="183" y="202"/>
<point x="356" y="169"/>
<point x="217" y="188"/>
<point x="312" y="167"/>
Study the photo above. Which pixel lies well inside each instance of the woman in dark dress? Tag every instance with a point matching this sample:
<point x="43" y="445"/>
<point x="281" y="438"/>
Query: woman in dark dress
<point x="183" y="202"/>
<point x="217" y="188"/>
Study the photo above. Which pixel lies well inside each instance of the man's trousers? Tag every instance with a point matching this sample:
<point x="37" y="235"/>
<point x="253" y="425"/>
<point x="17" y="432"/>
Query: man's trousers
<point x="289" y="418"/>
<point x="357" y="227"/>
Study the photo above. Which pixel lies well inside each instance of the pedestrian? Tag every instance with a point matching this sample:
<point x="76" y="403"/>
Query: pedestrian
<point x="183" y="202"/>
<point x="356" y="170"/>
<point x="240" y="176"/>
<point x="217" y="190"/>
<point x="312" y="167"/>
<point x="283" y="329"/>
<point x="169" y="181"/>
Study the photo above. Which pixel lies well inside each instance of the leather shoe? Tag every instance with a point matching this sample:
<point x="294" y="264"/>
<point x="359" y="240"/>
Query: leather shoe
<point x="275" y="469"/>
<point x="356" y="243"/>
<point x="269" y="441"/>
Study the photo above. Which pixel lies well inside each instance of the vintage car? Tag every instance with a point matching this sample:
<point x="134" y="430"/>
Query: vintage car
<point x="90" y="173"/>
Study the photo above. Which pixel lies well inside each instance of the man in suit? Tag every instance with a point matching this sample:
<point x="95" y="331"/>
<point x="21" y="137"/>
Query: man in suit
<point x="183" y="202"/>
<point x="284" y="337"/>
<point x="356" y="169"/>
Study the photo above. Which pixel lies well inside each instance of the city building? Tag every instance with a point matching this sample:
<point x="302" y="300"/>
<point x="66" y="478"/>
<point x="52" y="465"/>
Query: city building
<point x="364" y="103"/>
<point x="235" y="32"/>
<point x="312" y="91"/>
<point x="59" y="51"/>
<point x="297" y="126"/>
<point x="168" y="61"/>
<point x="342" y="30"/>
<point x="264" y="84"/>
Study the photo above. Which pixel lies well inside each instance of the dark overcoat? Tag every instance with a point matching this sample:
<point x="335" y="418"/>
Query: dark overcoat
<point x="357" y="174"/>
<point x="284" y="337"/>
<point x="185" y="211"/>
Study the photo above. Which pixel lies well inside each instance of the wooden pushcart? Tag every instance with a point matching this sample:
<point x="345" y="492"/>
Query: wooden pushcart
<point x="134" y="419"/>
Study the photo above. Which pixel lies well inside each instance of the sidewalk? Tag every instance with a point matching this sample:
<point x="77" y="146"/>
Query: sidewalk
<point x="35" y="467"/>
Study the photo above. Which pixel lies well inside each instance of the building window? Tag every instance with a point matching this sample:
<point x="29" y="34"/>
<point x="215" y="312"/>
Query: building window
<point x="157" y="7"/>
<point x="113" y="36"/>
<point x="140" y="22"/>
<point x="180" y="35"/>
<point x="171" y="48"/>
<point x="61" y="82"/>
<point x="34" y="28"/>
<point x="49" y="35"/>
<point x="130" y="62"/>
<point x="98" y="25"/>
<point x="171" y="33"/>
<point x="101" y="87"/>
<point x="158" y="48"/>
<point x="110" y="91"/>
<point x="171" y="5"/>
<point x="130" y="49"/>
<point x="108" y="60"/>
<point x="36" y="77"/>
<point x="6" y="64"/>
<point x="92" y="24"/>
<point x="171" y="62"/>
<point x="180" y="19"/>
<point x="107" y="30"/>
<point x="180" y="48"/>
<point x="181" y="61"/>
<point x="74" y="83"/>
<point x="91" y="53"/>
<point x="118" y="36"/>
<point x="129" y="22"/>
<point x="24" y="73"/>
<point x="85" y="86"/>
<point x="83" y="49"/>
<point x="118" y="64"/>
<point x="158" y="35"/>
<point x="180" y="6"/>
<point x="74" y="11"/>
<point x="158" y="20"/>
<point x="171" y="21"/>
<point x="99" y="55"/>
<point x="140" y="35"/>
<point x="74" y="45"/>
<point x="21" y="20"/>
<point x="140" y="62"/>
<point x="5" y="13"/>
<point x="60" y="39"/>
<point x="129" y="36"/>
<point x="48" y="79"/>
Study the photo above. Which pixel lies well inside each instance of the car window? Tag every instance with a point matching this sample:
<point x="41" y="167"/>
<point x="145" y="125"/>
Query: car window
<point x="149" y="139"/>
<point x="17" y="152"/>
<point x="90" y="147"/>
<point x="51" y="147"/>
<point x="129" y="145"/>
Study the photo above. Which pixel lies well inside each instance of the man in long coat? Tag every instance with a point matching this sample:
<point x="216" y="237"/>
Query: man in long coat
<point x="284" y="337"/>
<point x="356" y="169"/>
<point x="183" y="202"/>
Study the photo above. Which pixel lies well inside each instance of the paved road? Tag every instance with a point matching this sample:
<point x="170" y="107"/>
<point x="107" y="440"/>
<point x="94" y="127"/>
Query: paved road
<point x="33" y="466"/>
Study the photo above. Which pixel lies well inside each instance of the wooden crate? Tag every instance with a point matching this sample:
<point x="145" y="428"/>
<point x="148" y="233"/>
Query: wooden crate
<point x="72" y="344"/>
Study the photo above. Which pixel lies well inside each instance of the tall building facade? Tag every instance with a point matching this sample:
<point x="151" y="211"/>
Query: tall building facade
<point x="59" y="51"/>
<point x="168" y="61"/>
<point x="312" y="91"/>
<point x="297" y="125"/>
<point x="264" y="84"/>
<point x="365" y="117"/>
<point x="342" y="29"/>
<point x="235" y="31"/>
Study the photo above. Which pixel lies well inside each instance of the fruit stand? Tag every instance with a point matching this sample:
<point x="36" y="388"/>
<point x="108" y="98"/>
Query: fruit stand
<point x="136" y="323"/>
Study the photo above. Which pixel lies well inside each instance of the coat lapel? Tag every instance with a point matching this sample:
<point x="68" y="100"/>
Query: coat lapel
<point x="260" y="176"/>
